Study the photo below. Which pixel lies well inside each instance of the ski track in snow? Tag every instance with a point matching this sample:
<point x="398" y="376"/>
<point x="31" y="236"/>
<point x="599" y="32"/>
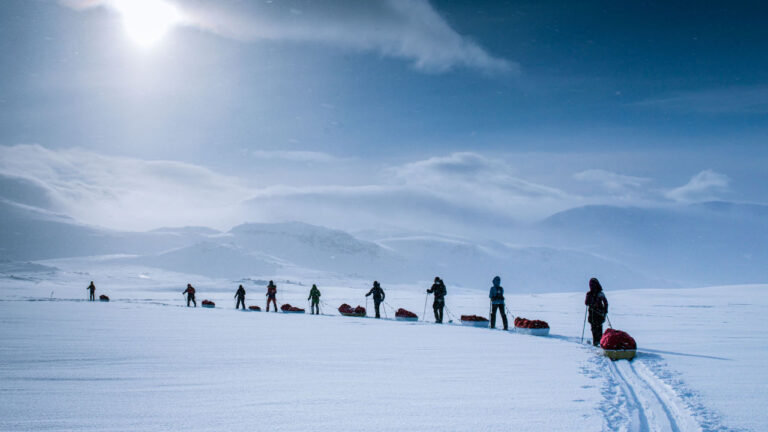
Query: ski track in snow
<point x="636" y="399"/>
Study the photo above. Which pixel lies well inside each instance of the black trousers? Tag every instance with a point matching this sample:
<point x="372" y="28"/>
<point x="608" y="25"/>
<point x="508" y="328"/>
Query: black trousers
<point x="92" y="296"/>
<point x="500" y="308"/>
<point x="315" y="307"/>
<point x="596" y="323"/>
<point x="191" y="298"/>
<point x="240" y="301"/>
<point x="376" y="305"/>
<point x="438" y="307"/>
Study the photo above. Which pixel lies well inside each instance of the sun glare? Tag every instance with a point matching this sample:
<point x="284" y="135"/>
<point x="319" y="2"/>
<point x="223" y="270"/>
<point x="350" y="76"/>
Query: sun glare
<point x="146" y="22"/>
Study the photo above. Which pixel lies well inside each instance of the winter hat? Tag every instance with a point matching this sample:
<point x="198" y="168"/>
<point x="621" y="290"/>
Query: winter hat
<point x="594" y="285"/>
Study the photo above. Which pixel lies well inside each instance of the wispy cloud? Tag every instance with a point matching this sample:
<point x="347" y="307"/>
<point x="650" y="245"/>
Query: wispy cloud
<point x="126" y="193"/>
<point x="704" y="186"/>
<point x="294" y="156"/>
<point x="410" y="29"/>
<point x="732" y="100"/>
<point x="611" y="180"/>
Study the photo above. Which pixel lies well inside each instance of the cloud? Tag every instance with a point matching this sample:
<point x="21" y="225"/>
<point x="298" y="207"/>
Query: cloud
<point x="407" y="29"/>
<point x="294" y="156"/>
<point x="732" y="100"/>
<point x="611" y="180"/>
<point x="126" y="193"/>
<point x="471" y="179"/>
<point x="704" y="186"/>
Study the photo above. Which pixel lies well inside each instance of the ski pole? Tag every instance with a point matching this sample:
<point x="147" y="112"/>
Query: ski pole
<point x="609" y="321"/>
<point x="424" y="314"/>
<point x="583" y="326"/>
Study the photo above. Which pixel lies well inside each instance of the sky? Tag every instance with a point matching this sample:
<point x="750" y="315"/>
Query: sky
<point x="139" y="114"/>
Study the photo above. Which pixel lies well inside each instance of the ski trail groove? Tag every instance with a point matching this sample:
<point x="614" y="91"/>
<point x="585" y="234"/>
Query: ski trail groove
<point x="652" y="405"/>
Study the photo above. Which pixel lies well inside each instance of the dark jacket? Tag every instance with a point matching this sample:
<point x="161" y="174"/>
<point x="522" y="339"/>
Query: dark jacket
<point x="496" y="294"/>
<point x="271" y="291"/>
<point x="597" y="303"/>
<point x="190" y="290"/>
<point x="378" y="294"/>
<point x="439" y="290"/>
<point x="240" y="292"/>
<point x="314" y="294"/>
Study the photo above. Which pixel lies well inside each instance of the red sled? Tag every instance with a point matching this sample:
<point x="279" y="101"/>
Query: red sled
<point x="531" y="327"/>
<point x="286" y="308"/>
<point x="618" y="345"/>
<point x="103" y="298"/>
<point x="254" y="308"/>
<point x="208" y="304"/>
<point x="347" y="310"/>
<point x="405" y="315"/>
<point x="475" y="321"/>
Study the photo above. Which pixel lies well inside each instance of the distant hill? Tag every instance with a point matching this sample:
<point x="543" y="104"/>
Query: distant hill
<point x="709" y="243"/>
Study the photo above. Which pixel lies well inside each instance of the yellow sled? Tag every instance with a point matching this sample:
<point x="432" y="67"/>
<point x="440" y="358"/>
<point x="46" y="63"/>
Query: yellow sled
<point x="620" y="354"/>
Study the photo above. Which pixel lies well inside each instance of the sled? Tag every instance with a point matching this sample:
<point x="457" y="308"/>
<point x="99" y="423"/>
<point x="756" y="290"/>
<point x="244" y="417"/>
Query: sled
<point x="103" y="298"/>
<point x="253" y="309"/>
<point x="209" y="306"/>
<point x="354" y="315"/>
<point x="533" y="331"/>
<point x="625" y="354"/>
<point x="399" y="318"/>
<point x="294" y="311"/>
<point x="482" y="324"/>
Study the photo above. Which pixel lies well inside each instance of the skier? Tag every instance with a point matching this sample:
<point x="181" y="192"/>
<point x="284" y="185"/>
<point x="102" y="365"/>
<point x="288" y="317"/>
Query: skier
<point x="314" y="294"/>
<point x="598" y="309"/>
<point x="378" y="296"/>
<point x="438" y="289"/>
<point x="92" y="289"/>
<point x="240" y="295"/>
<point x="190" y="292"/>
<point x="272" y="295"/>
<point x="497" y="302"/>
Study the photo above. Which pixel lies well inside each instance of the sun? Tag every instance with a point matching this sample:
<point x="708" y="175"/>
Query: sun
<point x="146" y="22"/>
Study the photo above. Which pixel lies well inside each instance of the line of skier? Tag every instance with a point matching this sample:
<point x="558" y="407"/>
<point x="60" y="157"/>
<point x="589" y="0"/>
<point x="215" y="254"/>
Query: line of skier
<point x="595" y="301"/>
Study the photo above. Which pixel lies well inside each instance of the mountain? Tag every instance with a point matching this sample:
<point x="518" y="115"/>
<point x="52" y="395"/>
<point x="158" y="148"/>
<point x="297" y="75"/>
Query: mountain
<point x="708" y="243"/>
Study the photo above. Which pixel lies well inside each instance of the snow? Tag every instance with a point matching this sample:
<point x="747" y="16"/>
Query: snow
<point x="145" y="362"/>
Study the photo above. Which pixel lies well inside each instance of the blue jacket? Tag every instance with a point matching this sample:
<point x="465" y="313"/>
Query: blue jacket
<point x="496" y="294"/>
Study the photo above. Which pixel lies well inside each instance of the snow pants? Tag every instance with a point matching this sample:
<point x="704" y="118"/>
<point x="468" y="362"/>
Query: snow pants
<point x="315" y="307"/>
<point x="274" y="303"/>
<point x="92" y="297"/>
<point x="438" y="307"/>
<point x="500" y="308"/>
<point x="191" y="298"/>
<point x="376" y="305"/>
<point x="596" y="323"/>
<point x="240" y="301"/>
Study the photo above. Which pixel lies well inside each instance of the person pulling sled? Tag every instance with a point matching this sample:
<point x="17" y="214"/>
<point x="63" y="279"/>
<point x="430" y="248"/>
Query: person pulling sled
<point x="240" y="296"/>
<point x="190" y="292"/>
<point x="439" y="290"/>
<point x="272" y="295"/>
<point x="598" y="309"/>
<point x="314" y="295"/>
<point x="378" y="296"/>
<point x="92" y="289"/>
<point x="497" y="303"/>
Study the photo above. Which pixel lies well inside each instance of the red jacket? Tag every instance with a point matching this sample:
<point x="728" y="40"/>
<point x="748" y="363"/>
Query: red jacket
<point x="271" y="290"/>
<point x="189" y="290"/>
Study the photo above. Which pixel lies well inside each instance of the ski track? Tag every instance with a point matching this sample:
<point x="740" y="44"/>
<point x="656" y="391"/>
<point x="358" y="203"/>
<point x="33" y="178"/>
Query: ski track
<point x="649" y="403"/>
<point x="636" y="400"/>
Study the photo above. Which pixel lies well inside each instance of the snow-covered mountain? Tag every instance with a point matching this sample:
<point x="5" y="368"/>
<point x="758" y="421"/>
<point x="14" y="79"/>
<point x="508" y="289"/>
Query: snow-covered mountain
<point x="709" y="243"/>
<point x="699" y="244"/>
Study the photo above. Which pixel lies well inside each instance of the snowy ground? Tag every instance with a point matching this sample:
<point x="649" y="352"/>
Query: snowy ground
<point x="144" y="362"/>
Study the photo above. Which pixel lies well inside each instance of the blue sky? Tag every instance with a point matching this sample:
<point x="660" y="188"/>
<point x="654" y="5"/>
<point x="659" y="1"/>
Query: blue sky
<point x="580" y="99"/>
